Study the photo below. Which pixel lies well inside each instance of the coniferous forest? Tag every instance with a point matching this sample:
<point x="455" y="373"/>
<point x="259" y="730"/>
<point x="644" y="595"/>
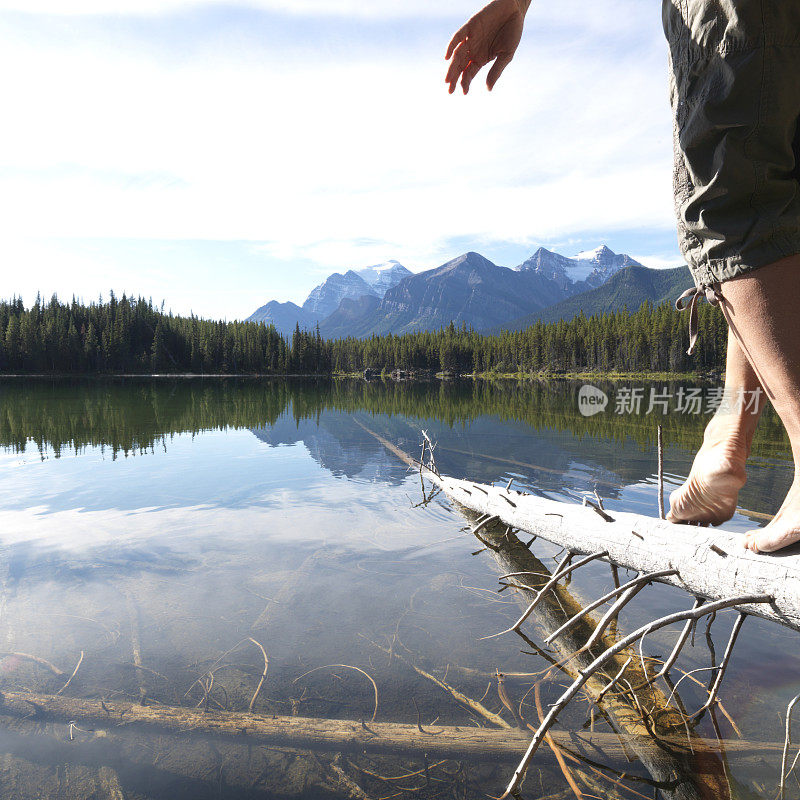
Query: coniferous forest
<point x="123" y="335"/>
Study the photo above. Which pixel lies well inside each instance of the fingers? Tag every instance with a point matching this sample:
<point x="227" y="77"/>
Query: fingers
<point x="466" y="67"/>
<point x="459" y="36"/>
<point x="457" y="65"/>
<point x="501" y="62"/>
<point x="470" y="71"/>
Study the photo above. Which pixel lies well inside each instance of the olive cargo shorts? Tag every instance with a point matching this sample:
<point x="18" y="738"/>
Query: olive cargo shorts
<point x="735" y="94"/>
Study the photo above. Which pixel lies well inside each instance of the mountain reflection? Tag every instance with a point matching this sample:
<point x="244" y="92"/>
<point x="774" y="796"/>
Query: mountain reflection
<point x="531" y="430"/>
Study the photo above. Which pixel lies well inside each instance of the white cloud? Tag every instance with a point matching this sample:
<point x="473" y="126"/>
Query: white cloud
<point x="349" y="8"/>
<point x="610" y="16"/>
<point x="338" y="162"/>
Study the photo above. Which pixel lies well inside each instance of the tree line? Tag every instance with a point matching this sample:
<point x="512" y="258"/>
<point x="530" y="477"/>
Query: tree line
<point x="133" y="415"/>
<point x="132" y="336"/>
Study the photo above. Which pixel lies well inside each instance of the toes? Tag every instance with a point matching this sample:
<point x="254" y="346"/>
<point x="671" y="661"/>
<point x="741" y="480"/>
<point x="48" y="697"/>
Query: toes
<point x="673" y="515"/>
<point x="750" y="541"/>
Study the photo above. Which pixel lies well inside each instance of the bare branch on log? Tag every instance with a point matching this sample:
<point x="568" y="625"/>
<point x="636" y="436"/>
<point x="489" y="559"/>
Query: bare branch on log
<point x="42" y="662"/>
<point x="673" y="656"/>
<point x="561" y="571"/>
<point x="610" y="685"/>
<point x="612" y="614"/>
<point x="590" y="504"/>
<point x="642" y="579"/>
<point x="263" y="674"/>
<point x="74" y="673"/>
<point x="431" y="460"/>
<point x="723" y="665"/>
<point x="586" y="673"/>
<point x="458" y="696"/>
<point x="484" y="523"/>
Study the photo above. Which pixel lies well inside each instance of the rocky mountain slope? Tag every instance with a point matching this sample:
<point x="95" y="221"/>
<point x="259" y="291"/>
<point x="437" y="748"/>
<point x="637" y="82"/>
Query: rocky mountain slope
<point x="382" y="277"/>
<point x="325" y="298"/>
<point x="471" y="290"/>
<point x="629" y="287"/>
<point x="468" y="290"/>
<point x="284" y="316"/>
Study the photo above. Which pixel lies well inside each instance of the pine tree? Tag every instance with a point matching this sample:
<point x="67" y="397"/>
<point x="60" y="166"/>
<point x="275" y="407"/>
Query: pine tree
<point x="157" y="349"/>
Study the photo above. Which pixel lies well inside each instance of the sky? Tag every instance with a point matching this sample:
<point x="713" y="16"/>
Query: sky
<point x="217" y="155"/>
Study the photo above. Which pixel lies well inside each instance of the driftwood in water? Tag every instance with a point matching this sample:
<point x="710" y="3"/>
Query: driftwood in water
<point x="330" y="735"/>
<point x="709" y="562"/>
<point x="288" y="591"/>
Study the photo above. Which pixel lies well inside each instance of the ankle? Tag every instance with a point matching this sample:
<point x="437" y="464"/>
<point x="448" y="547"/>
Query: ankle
<point x="734" y="431"/>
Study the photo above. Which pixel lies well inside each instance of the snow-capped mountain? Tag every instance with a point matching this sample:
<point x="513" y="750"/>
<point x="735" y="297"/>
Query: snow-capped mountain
<point x="355" y="283"/>
<point x="325" y="298"/>
<point x="601" y="263"/>
<point x="550" y="265"/>
<point x="357" y="286"/>
<point x="594" y="267"/>
<point x="382" y="277"/>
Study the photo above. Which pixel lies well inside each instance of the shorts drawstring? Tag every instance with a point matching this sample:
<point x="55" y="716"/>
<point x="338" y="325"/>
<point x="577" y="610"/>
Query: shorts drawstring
<point x="693" y="295"/>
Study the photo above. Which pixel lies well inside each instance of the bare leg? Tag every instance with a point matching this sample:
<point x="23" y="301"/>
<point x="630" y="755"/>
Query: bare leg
<point x="710" y="492"/>
<point x="761" y="308"/>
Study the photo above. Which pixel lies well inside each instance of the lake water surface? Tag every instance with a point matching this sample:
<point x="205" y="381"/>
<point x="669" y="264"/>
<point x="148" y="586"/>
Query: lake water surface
<point x="162" y="531"/>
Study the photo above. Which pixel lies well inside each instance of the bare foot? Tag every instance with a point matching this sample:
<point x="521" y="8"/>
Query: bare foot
<point x="710" y="492"/>
<point x="781" y="531"/>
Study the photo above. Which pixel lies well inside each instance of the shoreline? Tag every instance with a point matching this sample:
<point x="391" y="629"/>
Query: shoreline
<point x="479" y="376"/>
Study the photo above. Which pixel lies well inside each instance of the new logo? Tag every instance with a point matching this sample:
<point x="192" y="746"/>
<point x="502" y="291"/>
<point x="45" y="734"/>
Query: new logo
<point x="591" y="400"/>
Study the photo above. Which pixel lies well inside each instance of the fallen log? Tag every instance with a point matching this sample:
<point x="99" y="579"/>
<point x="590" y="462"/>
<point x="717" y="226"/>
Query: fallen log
<point x="709" y="563"/>
<point x="331" y="735"/>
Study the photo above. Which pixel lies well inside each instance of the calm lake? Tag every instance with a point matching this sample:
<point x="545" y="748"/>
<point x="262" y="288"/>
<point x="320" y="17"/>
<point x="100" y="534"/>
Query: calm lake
<point x="161" y="532"/>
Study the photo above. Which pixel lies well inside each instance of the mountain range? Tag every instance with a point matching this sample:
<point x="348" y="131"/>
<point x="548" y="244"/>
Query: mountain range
<point x="471" y="290"/>
<point x="325" y="299"/>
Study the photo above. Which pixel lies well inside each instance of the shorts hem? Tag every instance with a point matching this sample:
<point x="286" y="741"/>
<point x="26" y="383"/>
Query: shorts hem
<point x="719" y="270"/>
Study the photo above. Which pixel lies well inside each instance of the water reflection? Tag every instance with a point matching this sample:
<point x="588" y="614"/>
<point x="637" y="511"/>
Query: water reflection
<point x="156" y="525"/>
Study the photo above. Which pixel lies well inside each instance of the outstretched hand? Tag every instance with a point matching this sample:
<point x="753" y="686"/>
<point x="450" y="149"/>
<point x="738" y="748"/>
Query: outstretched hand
<point x="493" y="34"/>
